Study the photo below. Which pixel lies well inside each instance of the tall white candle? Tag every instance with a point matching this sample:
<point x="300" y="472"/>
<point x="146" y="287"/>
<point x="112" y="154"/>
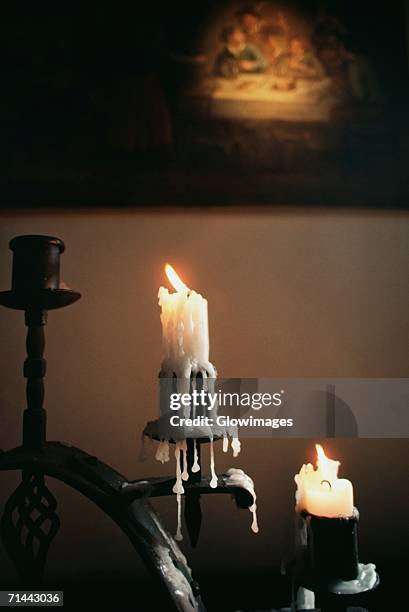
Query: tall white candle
<point x="319" y="490"/>
<point x="185" y="332"/>
<point x="185" y="329"/>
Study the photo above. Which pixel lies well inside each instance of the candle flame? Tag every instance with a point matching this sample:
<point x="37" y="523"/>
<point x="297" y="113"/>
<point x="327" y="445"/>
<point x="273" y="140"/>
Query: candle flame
<point x="321" y="456"/>
<point x="175" y="280"/>
<point x="328" y="467"/>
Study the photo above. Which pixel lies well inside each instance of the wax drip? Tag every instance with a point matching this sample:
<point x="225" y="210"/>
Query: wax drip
<point x="195" y="466"/>
<point x="238" y="477"/>
<point x="185" y="473"/>
<point x="213" y="482"/>
<point x="254" y="524"/>
<point x="225" y="443"/>
<point x="178" y="486"/>
<point x="178" y="534"/>
<point x="162" y="452"/>
<point x="236" y="446"/>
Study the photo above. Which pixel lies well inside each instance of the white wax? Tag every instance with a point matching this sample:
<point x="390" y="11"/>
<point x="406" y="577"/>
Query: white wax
<point x="162" y="452"/>
<point x="196" y="465"/>
<point x="178" y="486"/>
<point x="321" y="492"/>
<point x="213" y="481"/>
<point x="178" y="534"/>
<point x="236" y="446"/>
<point x="185" y="331"/>
<point x="237" y="477"/>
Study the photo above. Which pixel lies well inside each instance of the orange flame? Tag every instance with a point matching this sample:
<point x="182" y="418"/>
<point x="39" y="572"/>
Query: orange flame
<point x="175" y="280"/>
<point x="327" y="466"/>
<point x="321" y="456"/>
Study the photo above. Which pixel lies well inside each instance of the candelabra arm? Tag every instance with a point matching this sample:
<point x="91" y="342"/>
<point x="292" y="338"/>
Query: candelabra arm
<point x="134" y="515"/>
<point x="161" y="487"/>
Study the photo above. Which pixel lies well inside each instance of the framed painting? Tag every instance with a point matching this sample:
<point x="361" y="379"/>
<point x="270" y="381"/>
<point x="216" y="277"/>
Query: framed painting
<point x="231" y="102"/>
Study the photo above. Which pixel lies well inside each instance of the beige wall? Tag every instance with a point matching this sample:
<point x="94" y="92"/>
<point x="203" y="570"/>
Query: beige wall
<point x="292" y="293"/>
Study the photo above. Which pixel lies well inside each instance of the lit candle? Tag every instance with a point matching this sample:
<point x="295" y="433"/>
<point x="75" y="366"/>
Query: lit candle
<point x="185" y="333"/>
<point x="320" y="492"/>
<point x="185" y="330"/>
<point x="328" y="573"/>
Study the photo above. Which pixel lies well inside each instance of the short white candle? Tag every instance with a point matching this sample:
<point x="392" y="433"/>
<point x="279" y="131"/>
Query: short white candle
<point x="185" y="329"/>
<point x="319" y="490"/>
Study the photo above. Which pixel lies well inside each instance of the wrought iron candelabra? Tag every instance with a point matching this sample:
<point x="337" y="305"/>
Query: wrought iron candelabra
<point x="30" y="521"/>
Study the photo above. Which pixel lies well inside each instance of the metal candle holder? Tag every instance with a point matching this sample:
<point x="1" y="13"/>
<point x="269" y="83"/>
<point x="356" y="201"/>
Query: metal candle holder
<point x="327" y="564"/>
<point x="30" y="521"/>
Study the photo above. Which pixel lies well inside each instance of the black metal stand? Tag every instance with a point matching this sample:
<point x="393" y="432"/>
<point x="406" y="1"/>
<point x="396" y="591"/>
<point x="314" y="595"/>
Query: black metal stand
<point x="327" y="565"/>
<point x="30" y="521"/>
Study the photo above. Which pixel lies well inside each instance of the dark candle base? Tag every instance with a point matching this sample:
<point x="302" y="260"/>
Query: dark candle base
<point x="333" y="546"/>
<point x="328" y="564"/>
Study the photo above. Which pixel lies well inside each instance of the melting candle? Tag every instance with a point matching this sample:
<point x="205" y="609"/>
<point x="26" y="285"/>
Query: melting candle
<point x="185" y="333"/>
<point x="319" y="490"/>
<point x="185" y="329"/>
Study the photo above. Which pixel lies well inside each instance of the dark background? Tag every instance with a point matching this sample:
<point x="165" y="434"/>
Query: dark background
<point x="89" y="110"/>
<point x="103" y="43"/>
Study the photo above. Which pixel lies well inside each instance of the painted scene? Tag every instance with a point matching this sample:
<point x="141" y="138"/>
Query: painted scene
<point x="263" y="61"/>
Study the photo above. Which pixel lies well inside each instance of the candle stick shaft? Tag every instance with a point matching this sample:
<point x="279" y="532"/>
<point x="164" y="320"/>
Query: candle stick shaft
<point x="34" y="420"/>
<point x="193" y="510"/>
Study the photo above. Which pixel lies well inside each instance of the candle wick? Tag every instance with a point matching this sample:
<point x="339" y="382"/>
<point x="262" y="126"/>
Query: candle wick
<point x="328" y="483"/>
